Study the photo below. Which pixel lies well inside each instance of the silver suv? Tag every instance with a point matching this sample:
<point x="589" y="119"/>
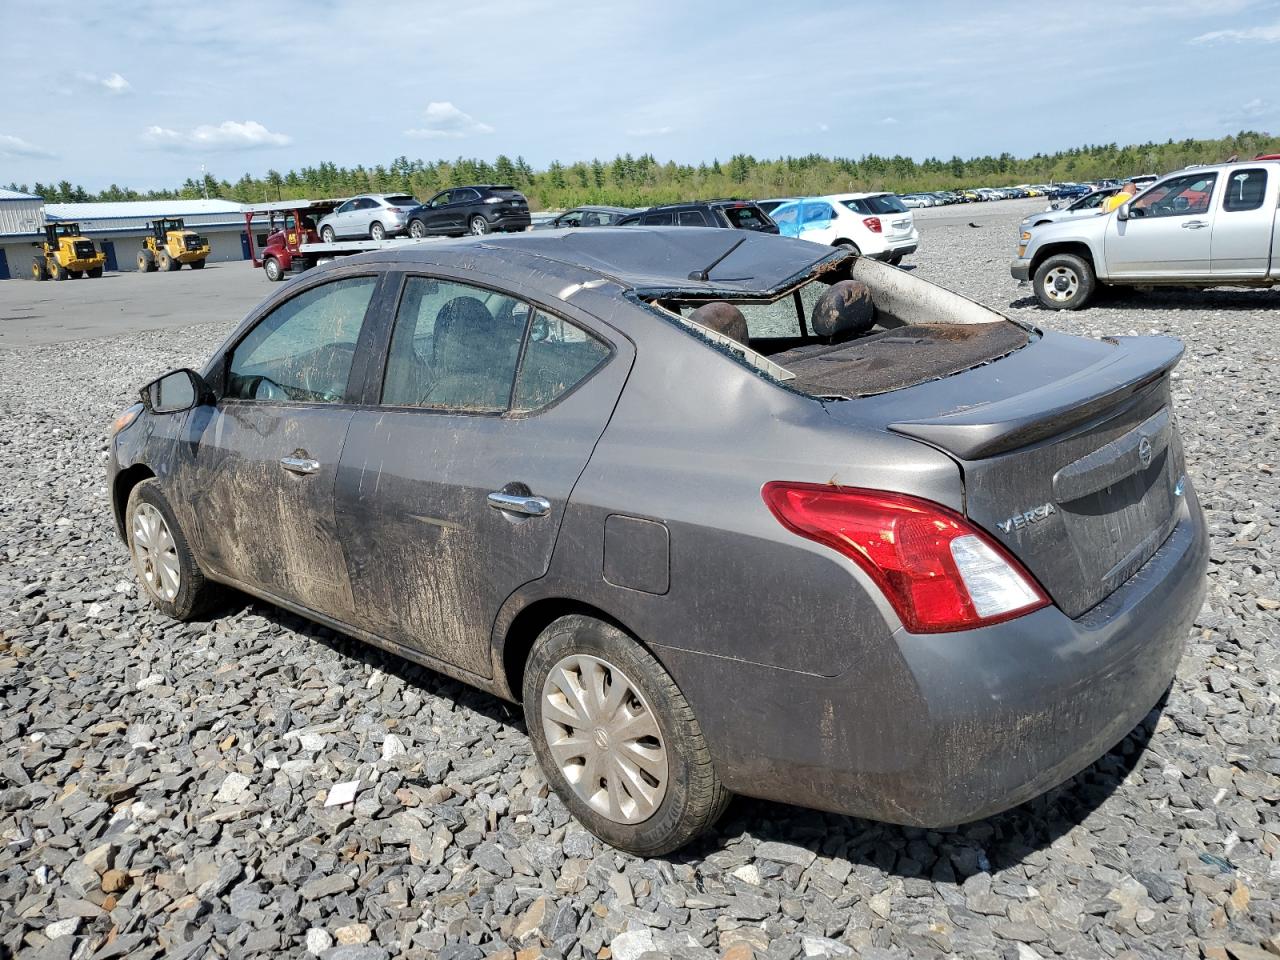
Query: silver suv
<point x="1210" y="226"/>
<point x="375" y="216"/>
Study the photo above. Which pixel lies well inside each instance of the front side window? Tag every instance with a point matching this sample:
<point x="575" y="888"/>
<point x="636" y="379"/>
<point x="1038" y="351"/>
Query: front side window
<point x="572" y="219"/>
<point x="560" y="355"/>
<point x="1245" y="190"/>
<point x="454" y="347"/>
<point x="1179" y="197"/>
<point x="303" y="350"/>
<point x="346" y="207"/>
<point x="746" y="218"/>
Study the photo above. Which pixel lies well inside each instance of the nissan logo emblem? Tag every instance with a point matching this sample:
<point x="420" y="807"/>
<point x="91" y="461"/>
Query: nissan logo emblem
<point x="1144" y="451"/>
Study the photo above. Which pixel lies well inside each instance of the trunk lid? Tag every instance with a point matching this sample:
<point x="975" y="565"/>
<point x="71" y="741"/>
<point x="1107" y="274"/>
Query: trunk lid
<point x="1070" y="455"/>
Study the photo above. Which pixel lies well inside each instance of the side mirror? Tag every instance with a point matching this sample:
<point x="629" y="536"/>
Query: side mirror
<point x="175" y="392"/>
<point x="1122" y="211"/>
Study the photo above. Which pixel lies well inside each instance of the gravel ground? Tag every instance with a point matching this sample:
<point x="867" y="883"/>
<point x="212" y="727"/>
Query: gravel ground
<point x="163" y="787"/>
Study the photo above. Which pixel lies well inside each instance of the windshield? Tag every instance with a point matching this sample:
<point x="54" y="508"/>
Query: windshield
<point x="885" y="203"/>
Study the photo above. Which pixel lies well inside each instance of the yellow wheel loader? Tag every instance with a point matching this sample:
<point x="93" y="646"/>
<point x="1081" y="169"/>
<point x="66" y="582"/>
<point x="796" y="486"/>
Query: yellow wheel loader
<point x="171" y="245"/>
<point x="65" y="253"/>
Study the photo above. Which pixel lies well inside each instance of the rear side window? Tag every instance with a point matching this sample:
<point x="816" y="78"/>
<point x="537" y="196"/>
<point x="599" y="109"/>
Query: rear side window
<point x="559" y="356"/>
<point x="402" y="201"/>
<point x="876" y="206"/>
<point x="692" y="218"/>
<point x="454" y="347"/>
<point x="747" y="217"/>
<point x="1245" y="190"/>
<point x="302" y="351"/>
<point x="657" y="219"/>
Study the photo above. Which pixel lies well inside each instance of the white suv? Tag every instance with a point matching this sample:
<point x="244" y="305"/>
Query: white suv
<point x="877" y="225"/>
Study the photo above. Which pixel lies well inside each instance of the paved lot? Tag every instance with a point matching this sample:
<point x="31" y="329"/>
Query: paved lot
<point x="162" y="786"/>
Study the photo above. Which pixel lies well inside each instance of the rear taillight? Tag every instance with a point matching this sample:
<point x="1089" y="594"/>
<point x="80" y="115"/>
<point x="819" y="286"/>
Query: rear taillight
<point x="395" y="210"/>
<point x="938" y="571"/>
<point x="872" y="224"/>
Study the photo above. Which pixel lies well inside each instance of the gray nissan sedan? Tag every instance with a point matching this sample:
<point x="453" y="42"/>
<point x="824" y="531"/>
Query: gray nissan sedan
<point x="728" y="513"/>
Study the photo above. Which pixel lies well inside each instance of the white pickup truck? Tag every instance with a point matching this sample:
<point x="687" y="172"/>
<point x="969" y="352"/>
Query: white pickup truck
<point x="1211" y="226"/>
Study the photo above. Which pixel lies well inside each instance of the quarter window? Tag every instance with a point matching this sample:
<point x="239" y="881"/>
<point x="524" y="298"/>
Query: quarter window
<point x="454" y="347"/>
<point x="1179" y="197"/>
<point x="560" y="355"/>
<point x="303" y="350"/>
<point x="1245" y="190"/>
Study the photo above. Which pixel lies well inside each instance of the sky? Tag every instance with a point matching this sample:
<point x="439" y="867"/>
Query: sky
<point x="143" y="94"/>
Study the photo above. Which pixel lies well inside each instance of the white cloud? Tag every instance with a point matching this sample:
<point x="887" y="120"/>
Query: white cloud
<point x="1264" y="34"/>
<point x="823" y="128"/>
<point x="443" y="121"/>
<point x="114" y="84"/>
<point x="1248" y="112"/>
<point x="228" y="135"/>
<point x="13" y="148"/>
<point x="651" y="132"/>
<point x="889" y="121"/>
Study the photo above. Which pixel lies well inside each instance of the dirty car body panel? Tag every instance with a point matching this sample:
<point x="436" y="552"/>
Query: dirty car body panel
<point x="805" y="679"/>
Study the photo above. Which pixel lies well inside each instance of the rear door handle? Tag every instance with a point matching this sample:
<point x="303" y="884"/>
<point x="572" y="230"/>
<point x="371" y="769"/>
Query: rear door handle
<point x="513" y="503"/>
<point x="300" y="464"/>
<point x="1194" y="225"/>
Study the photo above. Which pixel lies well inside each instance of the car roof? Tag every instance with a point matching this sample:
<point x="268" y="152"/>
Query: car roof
<point x="603" y="209"/>
<point x="857" y="196"/>
<point x="649" y="259"/>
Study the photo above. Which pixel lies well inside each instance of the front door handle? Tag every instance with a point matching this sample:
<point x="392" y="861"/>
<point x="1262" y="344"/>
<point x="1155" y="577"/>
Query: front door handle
<point x="514" y="503"/>
<point x="300" y="464"/>
<point x="1194" y="225"/>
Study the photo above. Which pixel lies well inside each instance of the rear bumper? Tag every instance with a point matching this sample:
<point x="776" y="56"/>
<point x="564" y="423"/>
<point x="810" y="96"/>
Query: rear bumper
<point x="1020" y="269"/>
<point x="513" y="221"/>
<point x="950" y="728"/>
<point x="898" y="248"/>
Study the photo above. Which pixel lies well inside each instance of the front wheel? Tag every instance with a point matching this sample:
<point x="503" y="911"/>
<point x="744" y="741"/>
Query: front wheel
<point x="479" y="226"/>
<point x="327" y="234"/>
<point x="377" y="231"/>
<point x="197" y="264"/>
<point x="1064" y="282"/>
<point x="162" y="559"/>
<point x="57" y="271"/>
<point x="617" y="740"/>
<point x="271" y="267"/>
<point x="417" y="229"/>
<point x="94" y="272"/>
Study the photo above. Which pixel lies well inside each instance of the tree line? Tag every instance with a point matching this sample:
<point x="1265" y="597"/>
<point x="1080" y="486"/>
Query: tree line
<point x="634" y="181"/>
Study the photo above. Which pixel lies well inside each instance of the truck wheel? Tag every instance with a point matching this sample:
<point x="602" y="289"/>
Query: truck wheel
<point x="617" y="740"/>
<point x="75" y="274"/>
<point x="57" y="271"/>
<point x="94" y="272"/>
<point x="197" y="264"/>
<point x="377" y="231"/>
<point x="1064" y="282"/>
<point x="417" y="229"/>
<point x="146" y="261"/>
<point x="38" y="271"/>
<point x="479" y="226"/>
<point x="163" y="261"/>
<point x="271" y="267"/>
<point x="327" y="234"/>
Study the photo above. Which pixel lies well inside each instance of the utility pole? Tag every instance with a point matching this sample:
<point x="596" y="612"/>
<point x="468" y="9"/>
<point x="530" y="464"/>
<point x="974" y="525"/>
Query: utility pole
<point x="204" y="189"/>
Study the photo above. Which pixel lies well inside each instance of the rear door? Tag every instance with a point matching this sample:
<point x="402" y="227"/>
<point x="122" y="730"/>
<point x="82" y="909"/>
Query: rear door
<point x="267" y="453"/>
<point x="1244" y="227"/>
<point x="1169" y="231"/>
<point x="463" y="203"/>
<point x="457" y="472"/>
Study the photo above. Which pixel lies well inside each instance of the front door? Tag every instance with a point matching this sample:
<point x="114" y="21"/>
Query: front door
<point x="1245" y="224"/>
<point x="267" y="454"/>
<point x="451" y="491"/>
<point x="1168" y="233"/>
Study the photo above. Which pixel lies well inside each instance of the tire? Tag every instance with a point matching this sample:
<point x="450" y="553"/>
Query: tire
<point x="57" y="271"/>
<point x="417" y="229"/>
<point x="1064" y="282"/>
<point x="377" y="231"/>
<point x="164" y="261"/>
<point x="94" y="272"/>
<point x="478" y="226"/>
<point x="894" y="260"/>
<point x="197" y="264"/>
<point x="75" y="274"/>
<point x="327" y="234"/>
<point x="161" y="556"/>
<point x="271" y="267"/>
<point x="146" y="261"/>
<point x="849" y="244"/>
<point x="38" y="269"/>
<point x="685" y="796"/>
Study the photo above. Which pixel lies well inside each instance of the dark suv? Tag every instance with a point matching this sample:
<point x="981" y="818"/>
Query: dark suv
<point x="476" y="210"/>
<point x="735" y="214"/>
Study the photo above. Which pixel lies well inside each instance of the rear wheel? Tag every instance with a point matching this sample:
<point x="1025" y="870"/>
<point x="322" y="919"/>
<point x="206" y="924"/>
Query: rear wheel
<point x="271" y="267"/>
<point x="479" y="226"/>
<point x="895" y="260"/>
<point x="94" y="272"/>
<point x="38" y="270"/>
<point x="1064" y="282"/>
<point x="75" y="274"/>
<point x="377" y="231"/>
<point x="848" y="244"/>
<point x="417" y="229"/>
<point x="327" y="234"/>
<point x="162" y="559"/>
<point x="57" y="271"/>
<point x="197" y="264"/>
<point x="617" y="739"/>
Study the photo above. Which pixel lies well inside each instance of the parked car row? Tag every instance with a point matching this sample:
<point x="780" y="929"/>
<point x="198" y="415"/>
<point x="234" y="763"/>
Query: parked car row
<point x="478" y="209"/>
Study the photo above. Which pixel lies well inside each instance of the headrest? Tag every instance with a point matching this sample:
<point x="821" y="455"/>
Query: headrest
<point x="723" y="318"/>
<point x="843" y="311"/>
<point x="464" y="335"/>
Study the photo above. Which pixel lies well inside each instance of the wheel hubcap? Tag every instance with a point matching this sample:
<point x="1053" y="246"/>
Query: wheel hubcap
<point x="1061" y="283"/>
<point x="477" y="227"/>
<point x="605" y="739"/>
<point x="154" y="552"/>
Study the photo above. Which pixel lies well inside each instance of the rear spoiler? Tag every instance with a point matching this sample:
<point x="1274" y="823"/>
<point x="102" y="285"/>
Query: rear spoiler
<point x="992" y="428"/>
